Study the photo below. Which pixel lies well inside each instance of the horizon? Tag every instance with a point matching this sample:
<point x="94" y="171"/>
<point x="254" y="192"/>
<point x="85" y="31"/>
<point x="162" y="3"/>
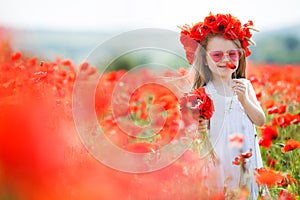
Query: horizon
<point x="69" y="44"/>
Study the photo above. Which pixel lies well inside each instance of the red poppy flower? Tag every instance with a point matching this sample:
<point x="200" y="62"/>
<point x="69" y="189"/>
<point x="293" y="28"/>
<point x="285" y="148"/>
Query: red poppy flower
<point x="167" y="101"/>
<point x="247" y="33"/>
<point x="249" y="23"/>
<point x="241" y="159"/>
<point x="83" y="66"/>
<point x="268" y="133"/>
<point x="66" y="62"/>
<point x="198" y="103"/>
<point x="236" y="161"/>
<point x="258" y="95"/>
<point x="230" y="65"/>
<point x="296" y="119"/>
<point x="209" y="20"/>
<point x="245" y="45"/>
<point x="31" y="62"/>
<point x="286" y="180"/>
<point x="16" y="56"/>
<point x="269" y="103"/>
<point x="279" y="109"/>
<point x="265" y="142"/>
<point x="286" y="120"/>
<point x="220" y="24"/>
<point x="233" y="30"/>
<point x="196" y="32"/>
<point x="285" y="195"/>
<point x="290" y="146"/>
<point x="267" y="176"/>
<point x="246" y="154"/>
<point x="190" y="47"/>
<point x="271" y="162"/>
<point x="236" y="140"/>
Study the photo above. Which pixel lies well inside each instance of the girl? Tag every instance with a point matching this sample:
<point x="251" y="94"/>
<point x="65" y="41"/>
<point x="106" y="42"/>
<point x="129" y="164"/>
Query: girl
<point x="217" y="49"/>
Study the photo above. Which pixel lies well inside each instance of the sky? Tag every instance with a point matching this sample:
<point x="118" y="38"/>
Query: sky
<point x="99" y="15"/>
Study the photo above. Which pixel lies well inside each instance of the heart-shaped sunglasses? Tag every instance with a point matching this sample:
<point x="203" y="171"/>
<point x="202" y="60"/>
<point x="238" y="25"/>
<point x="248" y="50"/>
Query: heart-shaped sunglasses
<point x="233" y="54"/>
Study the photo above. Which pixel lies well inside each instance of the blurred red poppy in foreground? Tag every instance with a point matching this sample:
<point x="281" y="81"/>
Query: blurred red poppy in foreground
<point x="267" y="176"/>
<point x="285" y="195"/>
<point x="42" y="157"/>
<point x="236" y="140"/>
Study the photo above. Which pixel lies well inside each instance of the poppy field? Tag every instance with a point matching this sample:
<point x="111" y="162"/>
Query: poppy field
<point x="43" y="157"/>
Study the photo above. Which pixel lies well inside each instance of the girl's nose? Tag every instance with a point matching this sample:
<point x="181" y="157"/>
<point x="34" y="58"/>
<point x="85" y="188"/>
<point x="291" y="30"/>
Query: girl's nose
<point x="226" y="57"/>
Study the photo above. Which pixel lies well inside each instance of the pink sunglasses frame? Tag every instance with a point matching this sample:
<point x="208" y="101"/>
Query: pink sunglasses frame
<point x="227" y="53"/>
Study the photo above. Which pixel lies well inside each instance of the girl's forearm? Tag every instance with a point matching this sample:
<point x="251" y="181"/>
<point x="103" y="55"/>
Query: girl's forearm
<point x="254" y="112"/>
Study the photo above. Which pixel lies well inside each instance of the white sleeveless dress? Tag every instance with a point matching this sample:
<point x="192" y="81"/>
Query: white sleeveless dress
<point x="229" y="118"/>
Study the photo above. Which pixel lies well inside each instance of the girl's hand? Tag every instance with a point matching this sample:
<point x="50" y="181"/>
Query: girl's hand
<point x="241" y="89"/>
<point x="247" y="97"/>
<point x="202" y="126"/>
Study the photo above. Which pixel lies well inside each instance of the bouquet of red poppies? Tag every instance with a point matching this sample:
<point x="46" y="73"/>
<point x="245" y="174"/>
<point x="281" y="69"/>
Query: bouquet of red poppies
<point x="197" y="105"/>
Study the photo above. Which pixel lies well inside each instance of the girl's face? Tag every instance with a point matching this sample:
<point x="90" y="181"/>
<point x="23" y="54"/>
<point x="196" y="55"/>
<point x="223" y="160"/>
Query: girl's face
<point x="222" y="56"/>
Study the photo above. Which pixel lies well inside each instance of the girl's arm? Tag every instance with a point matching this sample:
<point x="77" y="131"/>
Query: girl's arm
<point x="247" y="97"/>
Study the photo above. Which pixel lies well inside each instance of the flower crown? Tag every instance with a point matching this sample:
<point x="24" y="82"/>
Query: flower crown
<point x="225" y="24"/>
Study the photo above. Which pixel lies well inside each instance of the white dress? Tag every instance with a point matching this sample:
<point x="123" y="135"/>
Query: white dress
<point x="229" y="118"/>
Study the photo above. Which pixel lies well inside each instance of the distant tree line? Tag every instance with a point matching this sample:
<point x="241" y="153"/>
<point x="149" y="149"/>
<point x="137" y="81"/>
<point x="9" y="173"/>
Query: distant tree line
<point x="277" y="49"/>
<point x="270" y="48"/>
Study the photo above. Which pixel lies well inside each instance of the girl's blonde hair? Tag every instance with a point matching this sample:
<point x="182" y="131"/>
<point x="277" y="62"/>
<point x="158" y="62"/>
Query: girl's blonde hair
<point x="203" y="73"/>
